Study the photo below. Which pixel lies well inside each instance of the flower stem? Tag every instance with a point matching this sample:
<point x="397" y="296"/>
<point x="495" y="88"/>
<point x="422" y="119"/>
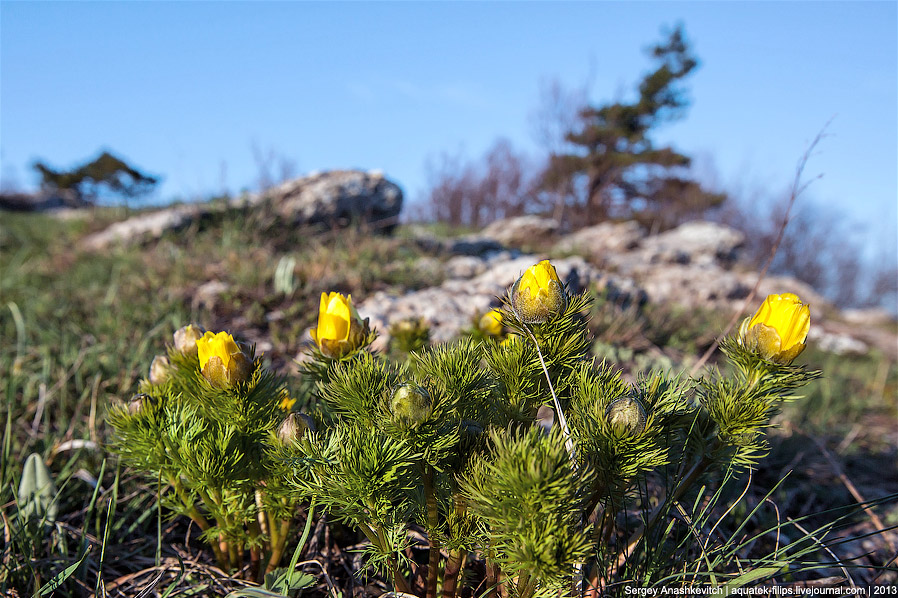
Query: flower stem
<point x="432" y="523"/>
<point x="562" y="420"/>
<point x="277" y="551"/>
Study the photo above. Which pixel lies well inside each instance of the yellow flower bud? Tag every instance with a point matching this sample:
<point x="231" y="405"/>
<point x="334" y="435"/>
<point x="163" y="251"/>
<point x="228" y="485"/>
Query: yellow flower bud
<point x="779" y="329"/>
<point x="186" y="337"/>
<point x="410" y="404"/>
<point x="538" y="294"/>
<point x="159" y="369"/>
<point x="626" y="416"/>
<point x="222" y="362"/>
<point x="340" y="330"/>
<point x="491" y="323"/>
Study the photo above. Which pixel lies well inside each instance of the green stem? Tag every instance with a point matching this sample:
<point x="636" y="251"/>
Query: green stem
<point x="450" y="577"/>
<point x="197" y="518"/>
<point x="432" y="523"/>
<point x="691" y="476"/>
<point x="277" y="551"/>
<point x="526" y="585"/>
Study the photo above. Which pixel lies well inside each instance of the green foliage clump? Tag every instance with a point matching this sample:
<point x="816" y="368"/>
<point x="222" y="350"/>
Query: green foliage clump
<point x="209" y="450"/>
<point x="528" y="456"/>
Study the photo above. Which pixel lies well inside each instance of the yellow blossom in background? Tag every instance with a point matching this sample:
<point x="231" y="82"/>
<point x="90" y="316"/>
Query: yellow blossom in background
<point x="538" y="294"/>
<point x="491" y="323"/>
<point x="779" y="329"/>
<point x="340" y="329"/>
<point x="286" y="402"/>
<point x="222" y="362"/>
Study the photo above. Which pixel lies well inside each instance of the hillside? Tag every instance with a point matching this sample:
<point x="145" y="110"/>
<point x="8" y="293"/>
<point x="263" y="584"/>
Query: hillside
<point x="83" y="320"/>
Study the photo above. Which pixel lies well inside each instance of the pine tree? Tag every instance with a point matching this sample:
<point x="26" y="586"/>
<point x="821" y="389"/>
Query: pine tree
<point x="616" y="168"/>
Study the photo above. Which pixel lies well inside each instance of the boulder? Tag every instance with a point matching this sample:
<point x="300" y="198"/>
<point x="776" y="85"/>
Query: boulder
<point x="521" y="231"/>
<point x="452" y="306"/>
<point x="699" y="243"/>
<point x="145" y="226"/>
<point x="337" y="198"/>
<point x="596" y="242"/>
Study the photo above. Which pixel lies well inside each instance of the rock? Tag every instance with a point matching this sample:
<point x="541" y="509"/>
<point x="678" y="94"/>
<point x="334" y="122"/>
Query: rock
<point x="452" y="306"/>
<point x="840" y="344"/>
<point x="145" y="226"/>
<point x="697" y="242"/>
<point x="206" y="295"/>
<point x="595" y="242"/>
<point x="474" y="245"/>
<point x="464" y="266"/>
<point x="521" y="231"/>
<point x="868" y="317"/>
<point x="337" y="198"/>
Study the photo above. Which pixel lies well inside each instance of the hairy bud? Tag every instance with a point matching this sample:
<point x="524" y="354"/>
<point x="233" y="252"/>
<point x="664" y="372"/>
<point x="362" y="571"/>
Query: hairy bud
<point x="159" y="369"/>
<point x="294" y="426"/>
<point x="410" y="404"/>
<point x="185" y="339"/>
<point x="626" y="416"/>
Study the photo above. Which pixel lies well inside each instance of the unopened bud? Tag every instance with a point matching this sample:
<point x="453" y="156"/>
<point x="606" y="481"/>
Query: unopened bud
<point x="410" y="404"/>
<point x="185" y="339"/>
<point x="538" y="294"/>
<point x="159" y="369"/>
<point x="545" y="418"/>
<point x="138" y="402"/>
<point x="626" y="416"/>
<point x="294" y="426"/>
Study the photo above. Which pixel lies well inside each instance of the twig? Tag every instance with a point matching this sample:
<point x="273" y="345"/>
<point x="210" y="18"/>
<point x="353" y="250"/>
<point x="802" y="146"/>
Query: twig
<point x="854" y="492"/>
<point x="797" y="189"/>
<point x="826" y="548"/>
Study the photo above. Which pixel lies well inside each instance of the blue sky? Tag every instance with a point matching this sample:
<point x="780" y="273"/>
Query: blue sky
<point x="187" y="89"/>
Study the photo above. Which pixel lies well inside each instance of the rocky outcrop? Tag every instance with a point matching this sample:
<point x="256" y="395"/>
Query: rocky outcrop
<point x="597" y="242"/>
<point x="521" y="231"/>
<point x="146" y="226"/>
<point x="337" y="198"/>
<point x="333" y="199"/>
<point x="452" y="306"/>
<point x="694" y="265"/>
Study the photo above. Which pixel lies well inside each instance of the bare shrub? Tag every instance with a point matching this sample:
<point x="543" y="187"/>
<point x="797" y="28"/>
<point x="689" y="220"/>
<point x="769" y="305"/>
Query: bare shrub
<point x="473" y="193"/>
<point x="821" y="247"/>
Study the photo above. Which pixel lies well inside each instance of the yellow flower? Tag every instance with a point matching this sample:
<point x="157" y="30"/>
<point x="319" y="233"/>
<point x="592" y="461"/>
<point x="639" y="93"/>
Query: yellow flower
<point x="286" y="402"/>
<point x="222" y="362"/>
<point x="538" y="294"/>
<point x="491" y="323"/>
<point x="779" y="329"/>
<point x="340" y="329"/>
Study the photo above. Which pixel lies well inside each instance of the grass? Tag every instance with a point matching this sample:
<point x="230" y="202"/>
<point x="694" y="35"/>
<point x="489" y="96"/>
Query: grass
<point x="80" y="329"/>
